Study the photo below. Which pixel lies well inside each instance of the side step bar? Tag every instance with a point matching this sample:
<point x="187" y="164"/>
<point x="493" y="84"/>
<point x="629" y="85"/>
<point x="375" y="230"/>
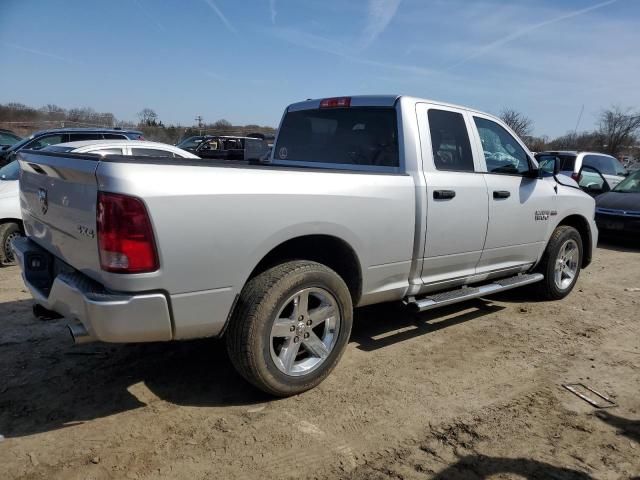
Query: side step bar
<point x="467" y="293"/>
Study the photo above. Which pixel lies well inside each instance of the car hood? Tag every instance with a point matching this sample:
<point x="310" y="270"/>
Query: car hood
<point x="619" y="201"/>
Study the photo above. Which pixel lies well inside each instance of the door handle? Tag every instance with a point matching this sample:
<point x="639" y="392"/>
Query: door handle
<point x="443" y="194"/>
<point x="501" y="194"/>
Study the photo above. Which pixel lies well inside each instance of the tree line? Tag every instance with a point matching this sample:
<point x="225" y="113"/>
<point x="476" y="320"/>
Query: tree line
<point x="617" y="133"/>
<point x="24" y="119"/>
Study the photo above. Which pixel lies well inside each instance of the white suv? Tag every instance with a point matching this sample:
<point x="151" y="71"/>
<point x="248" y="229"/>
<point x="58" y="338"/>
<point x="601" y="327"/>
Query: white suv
<point x="571" y="162"/>
<point x="10" y="214"/>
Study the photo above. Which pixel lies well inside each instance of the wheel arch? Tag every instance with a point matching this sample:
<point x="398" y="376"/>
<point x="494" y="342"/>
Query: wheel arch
<point x="328" y="250"/>
<point x="12" y="220"/>
<point x="581" y="224"/>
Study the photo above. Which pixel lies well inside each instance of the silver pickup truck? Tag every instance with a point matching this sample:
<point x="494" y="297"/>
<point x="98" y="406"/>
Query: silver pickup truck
<point x="365" y="199"/>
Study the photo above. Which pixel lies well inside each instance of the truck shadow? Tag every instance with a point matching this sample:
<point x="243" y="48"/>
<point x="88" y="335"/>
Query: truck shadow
<point x="373" y="328"/>
<point x="49" y="384"/>
<point x="624" y="426"/>
<point x="619" y="243"/>
<point x="484" y="467"/>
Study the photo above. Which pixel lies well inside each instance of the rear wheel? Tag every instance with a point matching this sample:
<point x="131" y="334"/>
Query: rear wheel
<point x="290" y="327"/>
<point x="561" y="263"/>
<point x="8" y="231"/>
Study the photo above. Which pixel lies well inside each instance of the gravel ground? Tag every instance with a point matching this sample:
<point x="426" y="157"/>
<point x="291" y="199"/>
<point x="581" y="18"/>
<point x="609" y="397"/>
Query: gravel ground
<point x="472" y="391"/>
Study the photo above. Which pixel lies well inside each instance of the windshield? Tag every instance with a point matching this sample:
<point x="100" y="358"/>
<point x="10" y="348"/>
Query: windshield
<point x="191" y="142"/>
<point x="11" y="171"/>
<point x="20" y="144"/>
<point x="7" y="138"/>
<point x="605" y="164"/>
<point x="631" y="184"/>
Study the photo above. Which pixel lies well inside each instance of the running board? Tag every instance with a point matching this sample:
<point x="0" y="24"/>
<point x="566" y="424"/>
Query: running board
<point x="467" y="293"/>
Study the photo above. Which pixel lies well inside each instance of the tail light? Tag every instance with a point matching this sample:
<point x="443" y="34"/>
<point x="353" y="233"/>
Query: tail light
<point x="125" y="237"/>
<point x="336" y="102"/>
<point x="576" y="176"/>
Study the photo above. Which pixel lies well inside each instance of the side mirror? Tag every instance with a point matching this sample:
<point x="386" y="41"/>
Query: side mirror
<point x="594" y="189"/>
<point x="549" y="164"/>
<point x="592" y="181"/>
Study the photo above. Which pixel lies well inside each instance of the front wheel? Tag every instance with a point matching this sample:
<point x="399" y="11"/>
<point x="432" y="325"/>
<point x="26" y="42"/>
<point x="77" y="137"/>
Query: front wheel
<point x="561" y="263"/>
<point x="290" y="327"/>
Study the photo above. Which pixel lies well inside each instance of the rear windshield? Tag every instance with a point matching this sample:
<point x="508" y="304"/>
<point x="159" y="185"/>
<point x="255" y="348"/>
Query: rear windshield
<point x="363" y="136"/>
<point x="606" y="165"/>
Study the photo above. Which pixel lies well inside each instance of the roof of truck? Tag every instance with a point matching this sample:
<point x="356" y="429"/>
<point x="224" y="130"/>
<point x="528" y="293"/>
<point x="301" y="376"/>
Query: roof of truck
<point x="379" y="101"/>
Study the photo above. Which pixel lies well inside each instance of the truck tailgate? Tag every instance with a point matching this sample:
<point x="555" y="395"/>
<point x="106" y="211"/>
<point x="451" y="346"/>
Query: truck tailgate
<point x="58" y="196"/>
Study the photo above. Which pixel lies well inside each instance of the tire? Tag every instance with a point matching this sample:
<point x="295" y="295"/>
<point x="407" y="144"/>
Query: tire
<point x="555" y="255"/>
<point x="8" y="231"/>
<point x="267" y="304"/>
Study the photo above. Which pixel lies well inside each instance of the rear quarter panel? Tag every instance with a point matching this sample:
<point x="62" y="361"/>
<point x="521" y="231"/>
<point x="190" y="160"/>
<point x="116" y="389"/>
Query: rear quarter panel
<point x="213" y="225"/>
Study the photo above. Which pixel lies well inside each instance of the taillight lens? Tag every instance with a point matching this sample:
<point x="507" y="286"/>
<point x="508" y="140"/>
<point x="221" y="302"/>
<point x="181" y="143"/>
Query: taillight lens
<point x="576" y="176"/>
<point x="336" y="102"/>
<point x="125" y="237"/>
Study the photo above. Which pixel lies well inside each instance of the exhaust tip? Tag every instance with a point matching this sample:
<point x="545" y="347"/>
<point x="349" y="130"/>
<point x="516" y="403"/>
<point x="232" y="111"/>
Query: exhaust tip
<point x="79" y="334"/>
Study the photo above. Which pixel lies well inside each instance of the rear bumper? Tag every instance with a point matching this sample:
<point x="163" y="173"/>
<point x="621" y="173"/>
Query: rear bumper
<point x="107" y="316"/>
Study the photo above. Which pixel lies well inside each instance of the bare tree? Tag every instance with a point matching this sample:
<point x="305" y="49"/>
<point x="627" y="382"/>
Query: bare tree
<point x="618" y="128"/>
<point x="148" y="117"/>
<point x="518" y="122"/>
<point x="222" y="124"/>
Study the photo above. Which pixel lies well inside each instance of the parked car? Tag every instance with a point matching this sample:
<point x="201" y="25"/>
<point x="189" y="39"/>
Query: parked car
<point x="10" y="214"/>
<point x="45" y="138"/>
<point x="11" y="225"/>
<point x="618" y="211"/>
<point x="122" y="147"/>
<point x="226" y="147"/>
<point x="364" y="200"/>
<point x="8" y="138"/>
<point x="572" y="162"/>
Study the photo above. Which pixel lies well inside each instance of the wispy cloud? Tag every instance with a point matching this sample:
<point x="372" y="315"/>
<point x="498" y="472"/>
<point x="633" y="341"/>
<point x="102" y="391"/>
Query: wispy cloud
<point x="146" y="13"/>
<point x="272" y="9"/>
<point x="379" y="15"/>
<point x="221" y="16"/>
<point x="214" y="76"/>
<point x="338" y="48"/>
<point x="40" y="53"/>
<point x="524" y="31"/>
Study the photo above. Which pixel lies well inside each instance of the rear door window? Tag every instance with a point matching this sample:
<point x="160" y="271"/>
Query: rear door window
<point x="81" y="137"/>
<point x="151" y="152"/>
<point x="114" y="136"/>
<point x="356" y="136"/>
<point x="107" y="151"/>
<point x="450" y="141"/>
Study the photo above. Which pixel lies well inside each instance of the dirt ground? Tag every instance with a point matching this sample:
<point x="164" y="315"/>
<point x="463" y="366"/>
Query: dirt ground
<point x="473" y="391"/>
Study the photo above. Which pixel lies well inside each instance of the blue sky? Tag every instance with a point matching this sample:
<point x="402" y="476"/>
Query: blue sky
<point x="245" y="61"/>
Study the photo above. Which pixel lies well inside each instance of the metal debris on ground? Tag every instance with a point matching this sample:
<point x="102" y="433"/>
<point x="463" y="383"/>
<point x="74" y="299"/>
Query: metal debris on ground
<point x="573" y="388"/>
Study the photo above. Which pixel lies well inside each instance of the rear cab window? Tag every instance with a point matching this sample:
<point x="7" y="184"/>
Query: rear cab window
<point x="357" y="138"/>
